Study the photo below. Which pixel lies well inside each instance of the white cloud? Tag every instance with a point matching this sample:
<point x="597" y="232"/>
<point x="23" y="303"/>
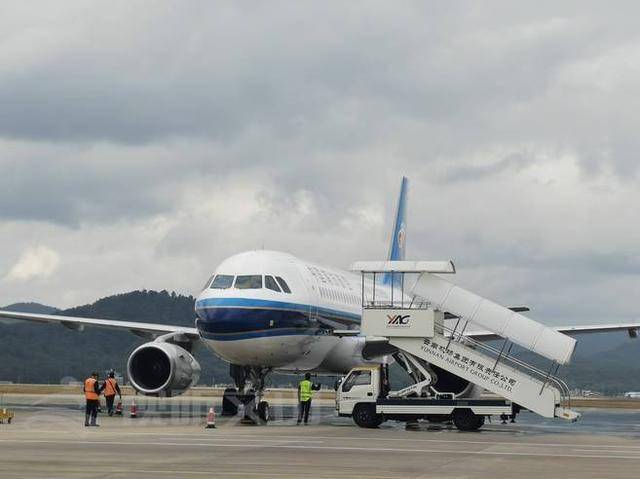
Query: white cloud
<point x="36" y="262"/>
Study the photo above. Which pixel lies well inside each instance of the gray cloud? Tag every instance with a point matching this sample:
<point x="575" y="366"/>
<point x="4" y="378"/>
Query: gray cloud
<point x="143" y="143"/>
<point x="512" y="162"/>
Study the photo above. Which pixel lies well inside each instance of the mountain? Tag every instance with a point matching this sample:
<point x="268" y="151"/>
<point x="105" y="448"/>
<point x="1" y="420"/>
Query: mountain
<point x="616" y="370"/>
<point x="35" y="308"/>
<point x="605" y="362"/>
<point x="47" y="353"/>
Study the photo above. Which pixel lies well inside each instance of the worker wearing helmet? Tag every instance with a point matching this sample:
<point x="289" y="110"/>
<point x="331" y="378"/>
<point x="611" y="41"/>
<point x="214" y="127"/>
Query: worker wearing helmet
<point x="92" y="390"/>
<point x="110" y="388"/>
<point x="305" y="394"/>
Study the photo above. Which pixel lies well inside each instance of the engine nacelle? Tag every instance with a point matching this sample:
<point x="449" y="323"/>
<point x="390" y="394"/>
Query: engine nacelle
<point x="449" y="383"/>
<point x="162" y="369"/>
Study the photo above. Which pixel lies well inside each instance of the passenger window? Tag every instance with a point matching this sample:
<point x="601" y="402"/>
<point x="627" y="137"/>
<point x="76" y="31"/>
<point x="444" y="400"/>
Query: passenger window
<point x="283" y="284"/>
<point x="357" y="378"/>
<point x="270" y="283"/>
<point x="253" y="281"/>
<point x="222" y="281"/>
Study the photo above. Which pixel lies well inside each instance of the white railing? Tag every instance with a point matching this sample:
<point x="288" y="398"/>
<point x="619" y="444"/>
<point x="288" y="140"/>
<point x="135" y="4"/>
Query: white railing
<point x="545" y="377"/>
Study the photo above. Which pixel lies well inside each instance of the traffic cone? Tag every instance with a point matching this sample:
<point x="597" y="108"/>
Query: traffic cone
<point x="119" y="408"/>
<point x="211" y="419"/>
<point x="133" y="412"/>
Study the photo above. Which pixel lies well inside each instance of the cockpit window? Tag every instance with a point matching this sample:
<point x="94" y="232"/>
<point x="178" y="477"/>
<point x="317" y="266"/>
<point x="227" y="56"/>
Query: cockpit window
<point x="206" y="285"/>
<point x="249" y="282"/>
<point x="270" y="283"/>
<point x="222" y="281"/>
<point x="283" y="284"/>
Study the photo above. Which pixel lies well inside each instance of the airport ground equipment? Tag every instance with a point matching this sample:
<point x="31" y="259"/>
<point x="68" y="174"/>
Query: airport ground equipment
<point x="412" y="328"/>
<point x="211" y="419"/>
<point x="133" y="410"/>
<point x="362" y="395"/>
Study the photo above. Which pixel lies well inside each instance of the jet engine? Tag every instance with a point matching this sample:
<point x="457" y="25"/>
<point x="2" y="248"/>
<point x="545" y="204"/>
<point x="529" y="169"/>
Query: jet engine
<point x="162" y="369"/>
<point x="449" y="383"/>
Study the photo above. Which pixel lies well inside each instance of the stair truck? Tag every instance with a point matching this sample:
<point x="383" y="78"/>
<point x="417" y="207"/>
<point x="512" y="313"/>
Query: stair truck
<point x="410" y="327"/>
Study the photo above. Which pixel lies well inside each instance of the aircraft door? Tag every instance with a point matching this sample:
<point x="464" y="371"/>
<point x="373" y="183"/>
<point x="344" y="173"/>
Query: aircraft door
<point x="312" y="292"/>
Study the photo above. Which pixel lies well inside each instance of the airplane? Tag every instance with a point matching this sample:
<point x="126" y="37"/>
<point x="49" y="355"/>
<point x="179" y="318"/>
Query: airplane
<point x="265" y="311"/>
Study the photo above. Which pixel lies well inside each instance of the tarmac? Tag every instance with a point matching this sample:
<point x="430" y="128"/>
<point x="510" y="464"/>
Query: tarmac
<point x="50" y="441"/>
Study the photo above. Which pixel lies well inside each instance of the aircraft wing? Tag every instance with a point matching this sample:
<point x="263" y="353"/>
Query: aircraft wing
<point x="145" y="330"/>
<point x="630" y="328"/>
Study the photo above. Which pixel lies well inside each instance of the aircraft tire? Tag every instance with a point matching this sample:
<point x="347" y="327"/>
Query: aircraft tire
<point x="264" y="414"/>
<point x="230" y="402"/>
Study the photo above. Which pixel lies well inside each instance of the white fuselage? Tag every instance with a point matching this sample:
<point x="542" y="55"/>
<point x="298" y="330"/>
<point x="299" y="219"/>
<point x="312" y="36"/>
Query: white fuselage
<point x="247" y="317"/>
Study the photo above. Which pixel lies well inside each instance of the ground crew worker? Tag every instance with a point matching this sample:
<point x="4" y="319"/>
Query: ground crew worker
<point x="305" y="394"/>
<point x="92" y="391"/>
<point x="110" y="388"/>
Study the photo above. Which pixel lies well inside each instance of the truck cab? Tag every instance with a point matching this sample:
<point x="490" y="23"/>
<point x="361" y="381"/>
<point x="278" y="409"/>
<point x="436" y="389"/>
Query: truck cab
<point x="357" y="395"/>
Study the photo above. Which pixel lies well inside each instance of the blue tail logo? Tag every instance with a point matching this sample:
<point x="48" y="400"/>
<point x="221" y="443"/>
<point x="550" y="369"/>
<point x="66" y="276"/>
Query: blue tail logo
<point x="397" y="246"/>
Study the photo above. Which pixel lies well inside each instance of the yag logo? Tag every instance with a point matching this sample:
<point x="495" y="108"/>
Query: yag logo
<point x="398" y="319"/>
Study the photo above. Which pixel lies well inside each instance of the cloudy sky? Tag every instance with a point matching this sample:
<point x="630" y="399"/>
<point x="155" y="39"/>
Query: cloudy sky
<point x="143" y="142"/>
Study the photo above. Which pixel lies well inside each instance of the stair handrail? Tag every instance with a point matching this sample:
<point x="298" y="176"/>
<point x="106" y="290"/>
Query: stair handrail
<point x="546" y="376"/>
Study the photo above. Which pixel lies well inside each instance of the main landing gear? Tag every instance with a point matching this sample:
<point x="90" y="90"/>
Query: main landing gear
<point x="248" y="397"/>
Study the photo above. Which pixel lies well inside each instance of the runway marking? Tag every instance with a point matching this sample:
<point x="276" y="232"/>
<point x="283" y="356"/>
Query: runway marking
<point x="181" y="473"/>
<point x="327" y="448"/>
<point x="597" y="450"/>
<point x="262" y="440"/>
<point x="365" y="438"/>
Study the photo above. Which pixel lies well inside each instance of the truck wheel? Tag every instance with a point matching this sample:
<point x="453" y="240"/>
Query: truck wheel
<point x="364" y="415"/>
<point x="263" y="411"/>
<point x="230" y="402"/>
<point x="466" y="420"/>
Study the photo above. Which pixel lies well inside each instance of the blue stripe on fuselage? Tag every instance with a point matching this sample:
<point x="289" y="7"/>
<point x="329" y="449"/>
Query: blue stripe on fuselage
<point x="228" y="319"/>
<point x="274" y="305"/>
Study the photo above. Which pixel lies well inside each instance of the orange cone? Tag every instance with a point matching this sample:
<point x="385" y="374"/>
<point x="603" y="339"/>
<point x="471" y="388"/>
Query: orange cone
<point x="119" y="408"/>
<point x="133" y="413"/>
<point x="211" y="419"/>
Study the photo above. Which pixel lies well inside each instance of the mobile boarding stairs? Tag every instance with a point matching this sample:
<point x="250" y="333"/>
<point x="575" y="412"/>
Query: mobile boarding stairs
<point x="413" y="321"/>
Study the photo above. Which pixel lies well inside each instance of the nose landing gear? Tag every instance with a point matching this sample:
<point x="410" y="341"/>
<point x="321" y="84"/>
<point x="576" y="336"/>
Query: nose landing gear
<point x="250" y="381"/>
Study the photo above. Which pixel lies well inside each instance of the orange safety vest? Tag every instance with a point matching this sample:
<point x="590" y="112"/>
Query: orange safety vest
<point x="89" y="389"/>
<point x="110" y="387"/>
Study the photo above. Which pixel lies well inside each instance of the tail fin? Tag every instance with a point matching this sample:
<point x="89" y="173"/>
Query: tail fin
<point x="399" y="234"/>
